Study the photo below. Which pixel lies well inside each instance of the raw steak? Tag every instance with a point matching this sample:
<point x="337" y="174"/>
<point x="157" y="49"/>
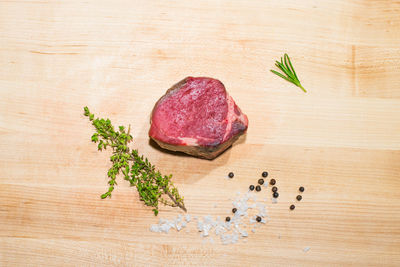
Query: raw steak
<point x="198" y="117"/>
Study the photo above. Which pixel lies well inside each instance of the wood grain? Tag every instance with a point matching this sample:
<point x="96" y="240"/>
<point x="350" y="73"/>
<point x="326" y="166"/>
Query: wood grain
<point x="341" y="140"/>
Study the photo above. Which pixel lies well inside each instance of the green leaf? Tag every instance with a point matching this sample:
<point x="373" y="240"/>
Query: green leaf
<point x="86" y="111"/>
<point x="291" y="66"/>
<point x="280" y="75"/>
<point x="95" y="137"/>
<point x="100" y="145"/>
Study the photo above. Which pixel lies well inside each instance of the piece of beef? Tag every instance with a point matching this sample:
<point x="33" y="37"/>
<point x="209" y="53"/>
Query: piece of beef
<point x="198" y="117"/>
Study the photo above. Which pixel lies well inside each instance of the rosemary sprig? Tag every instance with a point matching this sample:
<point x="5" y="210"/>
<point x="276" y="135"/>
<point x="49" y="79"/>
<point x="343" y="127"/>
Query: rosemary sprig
<point x="287" y="68"/>
<point x="153" y="187"/>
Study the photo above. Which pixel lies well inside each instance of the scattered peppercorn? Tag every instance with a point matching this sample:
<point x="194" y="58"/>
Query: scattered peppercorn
<point x="292" y="207"/>
<point x="228" y="219"/>
<point x="258" y="188"/>
<point x="299" y="197"/>
<point x="251" y="187"/>
<point x="260" y="181"/>
<point x="231" y="175"/>
<point x="258" y="219"/>
<point x="301" y="189"/>
<point x="274" y="189"/>
<point x="234" y="210"/>
<point x="272" y="182"/>
<point x="264" y="174"/>
<point x="275" y="195"/>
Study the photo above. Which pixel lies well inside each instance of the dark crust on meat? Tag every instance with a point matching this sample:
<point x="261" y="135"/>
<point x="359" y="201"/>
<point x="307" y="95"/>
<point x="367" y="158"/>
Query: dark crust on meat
<point x="206" y="152"/>
<point x="209" y="152"/>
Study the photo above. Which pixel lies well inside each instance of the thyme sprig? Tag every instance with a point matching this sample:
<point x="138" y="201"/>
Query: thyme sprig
<point x="287" y="68"/>
<point x="153" y="187"/>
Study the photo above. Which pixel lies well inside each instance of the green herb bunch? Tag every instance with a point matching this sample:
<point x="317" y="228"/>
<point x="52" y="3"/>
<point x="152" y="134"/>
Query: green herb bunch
<point x="153" y="187"/>
<point x="287" y="68"/>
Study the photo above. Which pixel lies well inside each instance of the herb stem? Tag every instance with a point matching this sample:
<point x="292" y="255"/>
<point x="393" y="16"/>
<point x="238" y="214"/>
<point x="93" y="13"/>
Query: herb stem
<point x="179" y="204"/>
<point x="299" y="85"/>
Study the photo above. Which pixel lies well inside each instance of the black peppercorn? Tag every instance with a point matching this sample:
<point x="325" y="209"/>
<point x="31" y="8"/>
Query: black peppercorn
<point x="258" y="219"/>
<point x="275" y="195"/>
<point x="251" y="187"/>
<point x="258" y="188"/>
<point x="260" y="181"/>
<point x="299" y="197"/>
<point x="301" y="189"/>
<point x="274" y="189"/>
<point x="234" y="210"/>
<point x="264" y="174"/>
<point x="272" y="182"/>
<point x="231" y="175"/>
<point x="292" y="207"/>
<point x="228" y="219"/>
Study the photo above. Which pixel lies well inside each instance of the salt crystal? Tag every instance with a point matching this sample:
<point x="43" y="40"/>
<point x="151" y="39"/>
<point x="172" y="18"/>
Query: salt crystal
<point x="165" y="228"/>
<point x="155" y="228"/>
<point x="187" y="217"/>
<point x="220" y="229"/>
<point x="229" y="239"/>
<point x="261" y="210"/>
<point x="235" y="238"/>
<point x="306" y="249"/>
<point x="243" y="232"/>
<point x="208" y="219"/>
<point x="206" y="225"/>
<point x="200" y="226"/>
<point x="206" y="230"/>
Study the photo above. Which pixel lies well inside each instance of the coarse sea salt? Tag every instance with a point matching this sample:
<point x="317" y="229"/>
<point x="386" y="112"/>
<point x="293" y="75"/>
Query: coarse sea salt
<point x="228" y="232"/>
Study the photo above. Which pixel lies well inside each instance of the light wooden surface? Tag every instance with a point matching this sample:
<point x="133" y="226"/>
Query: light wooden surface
<point x="341" y="140"/>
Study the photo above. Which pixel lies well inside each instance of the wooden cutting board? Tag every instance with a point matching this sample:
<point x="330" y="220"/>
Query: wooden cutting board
<point x="340" y="140"/>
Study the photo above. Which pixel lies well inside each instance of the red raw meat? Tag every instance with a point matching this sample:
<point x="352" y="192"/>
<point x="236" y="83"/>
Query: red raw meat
<point x="198" y="117"/>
